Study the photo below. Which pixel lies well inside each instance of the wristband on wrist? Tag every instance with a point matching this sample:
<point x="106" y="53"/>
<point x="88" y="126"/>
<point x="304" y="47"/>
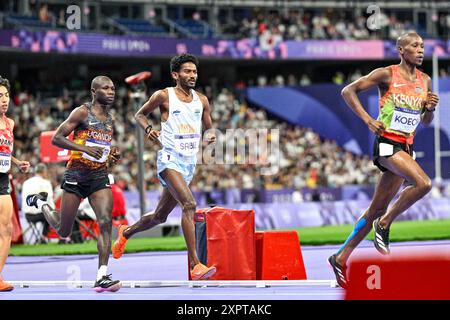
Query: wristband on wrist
<point x="148" y="129"/>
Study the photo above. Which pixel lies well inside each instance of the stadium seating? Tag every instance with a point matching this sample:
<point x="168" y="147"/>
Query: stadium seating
<point x="27" y="21"/>
<point x="141" y="26"/>
<point x="199" y="29"/>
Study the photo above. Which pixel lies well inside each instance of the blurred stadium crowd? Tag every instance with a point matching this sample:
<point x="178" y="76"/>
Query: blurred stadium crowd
<point x="328" y="24"/>
<point x="305" y="159"/>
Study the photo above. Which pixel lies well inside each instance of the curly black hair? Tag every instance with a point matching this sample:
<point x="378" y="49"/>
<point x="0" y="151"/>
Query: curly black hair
<point x="177" y="61"/>
<point x="4" y="82"/>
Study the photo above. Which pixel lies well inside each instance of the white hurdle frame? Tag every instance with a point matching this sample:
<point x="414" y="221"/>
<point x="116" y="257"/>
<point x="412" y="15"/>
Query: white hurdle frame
<point x="188" y="284"/>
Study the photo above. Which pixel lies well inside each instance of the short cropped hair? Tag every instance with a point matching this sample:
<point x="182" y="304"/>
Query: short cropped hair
<point x="177" y="61"/>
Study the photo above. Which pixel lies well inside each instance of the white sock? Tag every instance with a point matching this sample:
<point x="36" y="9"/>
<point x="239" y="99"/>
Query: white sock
<point x="40" y="203"/>
<point x="101" y="272"/>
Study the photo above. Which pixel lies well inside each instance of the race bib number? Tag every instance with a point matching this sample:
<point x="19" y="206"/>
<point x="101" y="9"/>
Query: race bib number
<point x="405" y="120"/>
<point x="5" y="162"/>
<point x="102" y="144"/>
<point x="187" y="144"/>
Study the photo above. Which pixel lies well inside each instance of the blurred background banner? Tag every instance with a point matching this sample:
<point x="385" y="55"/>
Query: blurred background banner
<point x="101" y="44"/>
<point x="286" y="214"/>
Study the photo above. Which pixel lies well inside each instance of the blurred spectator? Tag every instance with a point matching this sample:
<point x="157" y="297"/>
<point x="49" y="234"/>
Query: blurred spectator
<point x="61" y="19"/>
<point x="196" y="16"/>
<point x="338" y="78"/>
<point x="304" y="80"/>
<point x="44" y="14"/>
<point x="291" y="80"/>
<point x="262" y="81"/>
<point x="279" y="81"/>
<point x="36" y="184"/>
<point x="355" y="75"/>
<point x="119" y="211"/>
<point x="437" y="191"/>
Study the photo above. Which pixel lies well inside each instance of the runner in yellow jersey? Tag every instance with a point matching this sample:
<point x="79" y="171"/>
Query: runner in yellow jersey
<point x="406" y="100"/>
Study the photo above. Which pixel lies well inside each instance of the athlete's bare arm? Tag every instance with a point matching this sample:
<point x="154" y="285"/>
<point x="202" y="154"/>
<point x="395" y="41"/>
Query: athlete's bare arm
<point x="379" y="77"/>
<point x="206" y="118"/>
<point x="158" y="99"/>
<point x="24" y="166"/>
<point x="430" y="104"/>
<point x="59" y="139"/>
<point x="113" y="157"/>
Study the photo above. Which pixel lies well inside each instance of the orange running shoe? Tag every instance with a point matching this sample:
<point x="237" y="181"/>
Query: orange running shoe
<point x="118" y="247"/>
<point x="5" y="286"/>
<point x="202" y="272"/>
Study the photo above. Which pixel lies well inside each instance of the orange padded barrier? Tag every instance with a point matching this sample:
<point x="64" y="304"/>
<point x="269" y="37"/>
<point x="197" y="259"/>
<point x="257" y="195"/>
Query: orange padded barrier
<point x="230" y="242"/>
<point x="278" y="256"/>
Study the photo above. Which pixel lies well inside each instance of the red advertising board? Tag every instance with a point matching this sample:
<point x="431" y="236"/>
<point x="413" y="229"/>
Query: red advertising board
<point x="51" y="153"/>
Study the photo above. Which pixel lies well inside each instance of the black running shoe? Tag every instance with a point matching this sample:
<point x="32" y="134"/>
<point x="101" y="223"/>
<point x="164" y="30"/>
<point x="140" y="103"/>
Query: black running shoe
<point x="33" y="198"/>
<point x="381" y="240"/>
<point x="107" y="284"/>
<point x="339" y="271"/>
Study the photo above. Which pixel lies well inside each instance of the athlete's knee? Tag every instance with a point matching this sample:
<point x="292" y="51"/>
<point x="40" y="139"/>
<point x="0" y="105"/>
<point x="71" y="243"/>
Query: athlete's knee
<point x="425" y="185"/>
<point x="189" y="205"/>
<point x="6" y="229"/>
<point x="105" y="221"/>
<point x="5" y="219"/>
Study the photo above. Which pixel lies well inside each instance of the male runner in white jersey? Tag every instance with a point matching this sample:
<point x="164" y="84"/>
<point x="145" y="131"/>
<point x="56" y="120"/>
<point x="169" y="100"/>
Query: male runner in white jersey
<point x="183" y="111"/>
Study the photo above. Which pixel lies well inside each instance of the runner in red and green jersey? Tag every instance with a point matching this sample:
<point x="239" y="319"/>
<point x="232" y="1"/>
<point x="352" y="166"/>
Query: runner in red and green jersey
<point x="406" y="100"/>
